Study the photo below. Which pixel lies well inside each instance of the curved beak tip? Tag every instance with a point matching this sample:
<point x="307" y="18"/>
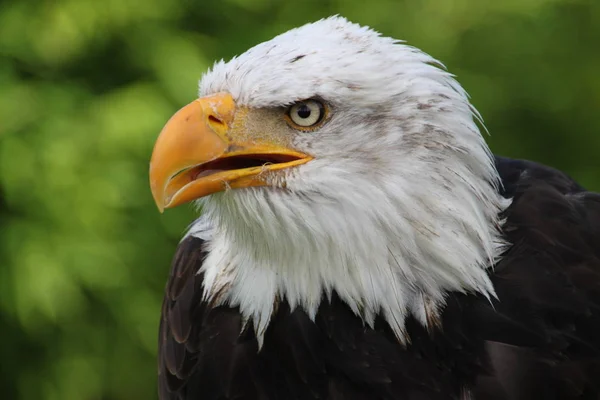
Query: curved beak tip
<point x="158" y="197"/>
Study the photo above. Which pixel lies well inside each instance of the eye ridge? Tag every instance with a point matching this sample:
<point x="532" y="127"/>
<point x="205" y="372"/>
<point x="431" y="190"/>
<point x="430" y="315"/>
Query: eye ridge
<point x="306" y="114"/>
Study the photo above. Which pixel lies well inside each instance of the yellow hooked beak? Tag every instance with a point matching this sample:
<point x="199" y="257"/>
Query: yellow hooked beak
<point x="204" y="149"/>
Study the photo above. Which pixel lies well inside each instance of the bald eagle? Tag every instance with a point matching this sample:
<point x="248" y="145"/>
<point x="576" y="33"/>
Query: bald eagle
<point x="358" y="239"/>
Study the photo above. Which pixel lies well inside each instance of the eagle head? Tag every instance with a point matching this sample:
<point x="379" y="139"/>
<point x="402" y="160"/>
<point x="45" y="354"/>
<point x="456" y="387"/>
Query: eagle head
<point x="332" y="159"/>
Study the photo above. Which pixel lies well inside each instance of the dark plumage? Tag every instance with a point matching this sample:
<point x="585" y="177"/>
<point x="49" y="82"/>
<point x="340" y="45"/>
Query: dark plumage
<point x="541" y="340"/>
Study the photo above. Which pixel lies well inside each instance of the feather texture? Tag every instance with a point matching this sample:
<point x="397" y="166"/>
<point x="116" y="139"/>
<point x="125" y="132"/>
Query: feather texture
<point x="398" y="205"/>
<point x="540" y="339"/>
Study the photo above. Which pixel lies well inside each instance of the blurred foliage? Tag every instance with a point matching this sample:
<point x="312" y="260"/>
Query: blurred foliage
<point x="87" y="85"/>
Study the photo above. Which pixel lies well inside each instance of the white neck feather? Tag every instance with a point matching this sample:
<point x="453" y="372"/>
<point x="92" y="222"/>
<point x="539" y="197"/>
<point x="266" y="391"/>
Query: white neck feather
<point x="392" y="247"/>
<point x="399" y="207"/>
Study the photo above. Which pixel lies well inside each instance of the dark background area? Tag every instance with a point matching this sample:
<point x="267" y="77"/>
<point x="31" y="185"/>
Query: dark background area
<point x="86" y="86"/>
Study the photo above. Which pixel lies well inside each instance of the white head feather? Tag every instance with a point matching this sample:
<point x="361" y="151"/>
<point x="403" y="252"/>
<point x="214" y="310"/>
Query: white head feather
<point x="399" y="206"/>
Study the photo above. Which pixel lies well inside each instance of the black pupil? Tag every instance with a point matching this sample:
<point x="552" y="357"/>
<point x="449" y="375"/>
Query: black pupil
<point x="304" y="111"/>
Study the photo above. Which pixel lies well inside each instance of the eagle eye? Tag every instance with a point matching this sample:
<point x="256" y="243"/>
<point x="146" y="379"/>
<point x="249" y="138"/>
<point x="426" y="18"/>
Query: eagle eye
<point x="306" y="114"/>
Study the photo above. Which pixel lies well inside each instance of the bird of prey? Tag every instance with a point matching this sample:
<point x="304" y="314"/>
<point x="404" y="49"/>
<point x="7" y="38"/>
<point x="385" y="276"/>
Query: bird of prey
<point x="358" y="239"/>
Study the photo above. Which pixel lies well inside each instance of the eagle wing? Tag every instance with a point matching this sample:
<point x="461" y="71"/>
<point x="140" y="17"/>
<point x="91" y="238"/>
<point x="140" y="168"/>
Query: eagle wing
<point x="182" y="306"/>
<point x="543" y="335"/>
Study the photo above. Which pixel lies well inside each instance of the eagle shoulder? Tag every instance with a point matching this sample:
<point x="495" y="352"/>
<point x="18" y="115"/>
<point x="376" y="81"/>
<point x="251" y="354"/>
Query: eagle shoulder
<point x="543" y="334"/>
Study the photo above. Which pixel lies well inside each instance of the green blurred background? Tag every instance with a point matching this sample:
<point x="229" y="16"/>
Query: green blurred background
<point x="85" y="87"/>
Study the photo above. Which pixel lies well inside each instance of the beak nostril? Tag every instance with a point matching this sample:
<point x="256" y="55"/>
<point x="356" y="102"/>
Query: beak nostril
<point x="214" y="120"/>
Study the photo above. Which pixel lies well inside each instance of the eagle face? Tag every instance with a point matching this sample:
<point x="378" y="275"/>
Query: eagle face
<point x="359" y="107"/>
<point x="380" y="103"/>
<point x="333" y="159"/>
